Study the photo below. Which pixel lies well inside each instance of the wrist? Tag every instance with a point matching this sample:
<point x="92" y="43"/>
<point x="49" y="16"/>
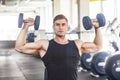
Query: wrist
<point x="25" y="26"/>
<point x="97" y="28"/>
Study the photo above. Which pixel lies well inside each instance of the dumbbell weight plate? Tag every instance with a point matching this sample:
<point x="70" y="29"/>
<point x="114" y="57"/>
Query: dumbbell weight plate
<point x="112" y="64"/>
<point x="87" y="23"/>
<point x="37" y="22"/>
<point x="86" y="60"/>
<point x="101" y="19"/>
<point x="20" y="20"/>
<point x="98" y="58"/>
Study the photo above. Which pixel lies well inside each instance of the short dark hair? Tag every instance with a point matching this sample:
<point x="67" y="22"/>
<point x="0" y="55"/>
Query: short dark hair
<point x="60" y="16"/>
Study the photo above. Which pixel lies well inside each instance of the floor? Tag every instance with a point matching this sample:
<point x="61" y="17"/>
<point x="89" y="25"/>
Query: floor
<point x="17" y="66"/>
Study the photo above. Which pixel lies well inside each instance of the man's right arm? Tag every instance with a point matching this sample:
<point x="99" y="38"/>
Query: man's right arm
<point x="21" y="39"/>
<point x="21" y="45"/>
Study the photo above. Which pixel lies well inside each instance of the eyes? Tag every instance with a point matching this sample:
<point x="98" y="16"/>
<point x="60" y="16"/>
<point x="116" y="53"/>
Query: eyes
<point x="60" y="24"/>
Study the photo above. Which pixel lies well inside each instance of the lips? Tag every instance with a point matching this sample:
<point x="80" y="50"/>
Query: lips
<point x="60" y="31"/>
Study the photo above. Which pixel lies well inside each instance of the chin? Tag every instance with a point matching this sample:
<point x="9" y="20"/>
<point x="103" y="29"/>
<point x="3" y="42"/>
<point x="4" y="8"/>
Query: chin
<point x="60" y="35"/>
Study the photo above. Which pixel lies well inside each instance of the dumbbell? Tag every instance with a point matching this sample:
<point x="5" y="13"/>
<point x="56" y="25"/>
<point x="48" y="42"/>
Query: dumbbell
<point x="112" y="67"/>
<point x="30" y="37"/>
<point x="21" y="21"/>
<point x="98" y="63"/>
<point x="87" y="21"/>
<point x="86" y="60"/>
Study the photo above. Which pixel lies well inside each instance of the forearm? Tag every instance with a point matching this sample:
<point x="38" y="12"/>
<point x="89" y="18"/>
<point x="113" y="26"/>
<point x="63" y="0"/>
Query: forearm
<point x="98" y="38"/>
<point x="21" y="39"/>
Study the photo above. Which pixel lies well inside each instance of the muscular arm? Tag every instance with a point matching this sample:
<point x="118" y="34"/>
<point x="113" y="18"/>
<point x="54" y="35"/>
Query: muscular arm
<point x="21" y="45"/>
<point x="98" y="39"/>
<point x="94" y="46"/>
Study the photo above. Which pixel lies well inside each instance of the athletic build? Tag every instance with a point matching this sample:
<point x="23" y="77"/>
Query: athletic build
<point x="59" y="55"/>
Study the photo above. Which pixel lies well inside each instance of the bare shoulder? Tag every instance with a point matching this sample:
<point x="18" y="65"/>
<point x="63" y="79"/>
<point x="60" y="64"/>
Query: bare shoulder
<point x="78" y="42"/>
<point x="42" y="42"/>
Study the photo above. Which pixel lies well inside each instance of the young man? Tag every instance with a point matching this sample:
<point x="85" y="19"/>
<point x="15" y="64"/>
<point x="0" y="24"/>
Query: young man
<point x="60" y="55"/>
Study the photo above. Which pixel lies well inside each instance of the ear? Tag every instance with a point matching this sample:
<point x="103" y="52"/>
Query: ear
<point x="53" y="27"/>
<point x="68" y="28"/>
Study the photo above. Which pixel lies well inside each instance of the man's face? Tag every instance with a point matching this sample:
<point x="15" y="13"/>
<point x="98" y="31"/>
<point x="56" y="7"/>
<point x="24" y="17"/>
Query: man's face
<point x="60" y="27"/>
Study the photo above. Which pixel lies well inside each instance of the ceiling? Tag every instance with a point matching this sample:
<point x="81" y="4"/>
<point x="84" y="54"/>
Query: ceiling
<point x="7" y="6"/>
<point x="17" y="2"/>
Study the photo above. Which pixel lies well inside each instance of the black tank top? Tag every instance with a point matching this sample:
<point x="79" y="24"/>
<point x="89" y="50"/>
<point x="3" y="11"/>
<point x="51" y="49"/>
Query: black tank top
<point x="61" y="61"/>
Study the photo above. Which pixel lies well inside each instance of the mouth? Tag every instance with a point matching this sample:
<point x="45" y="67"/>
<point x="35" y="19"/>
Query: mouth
<point x="60" y="31"/>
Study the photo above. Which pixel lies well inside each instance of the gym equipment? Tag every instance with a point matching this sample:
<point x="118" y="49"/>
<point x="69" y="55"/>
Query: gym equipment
<point x="87" y="21"/>
<point x="98" y="63"/>
<point x="111" y="23"/>
<point x="115" y="46"/>
<point x="86" y="60"/>
<point x="112" y="67"/>
<point x="21" y="20"/>
<point x="30" y="37"/>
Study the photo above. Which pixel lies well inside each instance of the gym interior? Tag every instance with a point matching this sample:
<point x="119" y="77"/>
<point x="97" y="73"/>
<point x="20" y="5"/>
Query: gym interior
<point x="102" y="65"/>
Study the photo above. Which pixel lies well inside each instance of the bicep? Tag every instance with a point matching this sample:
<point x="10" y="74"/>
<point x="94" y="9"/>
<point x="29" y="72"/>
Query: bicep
<point x="30" y="48"/>
<point x="88" y="47"/>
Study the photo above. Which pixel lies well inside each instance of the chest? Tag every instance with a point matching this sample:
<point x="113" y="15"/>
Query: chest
<point x="62" y="53"/>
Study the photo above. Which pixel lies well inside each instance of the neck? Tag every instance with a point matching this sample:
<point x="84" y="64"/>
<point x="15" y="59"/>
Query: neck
<point x="61" y="40"/>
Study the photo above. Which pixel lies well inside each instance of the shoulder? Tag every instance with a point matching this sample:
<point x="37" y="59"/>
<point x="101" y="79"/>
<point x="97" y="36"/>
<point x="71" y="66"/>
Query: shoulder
<point x="42" y="42"/>
<point x="78" y="42"/>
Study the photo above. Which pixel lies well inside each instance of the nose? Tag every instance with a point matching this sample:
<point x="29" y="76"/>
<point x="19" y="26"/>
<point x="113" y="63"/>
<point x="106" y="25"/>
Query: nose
<point x="60" y="26"/>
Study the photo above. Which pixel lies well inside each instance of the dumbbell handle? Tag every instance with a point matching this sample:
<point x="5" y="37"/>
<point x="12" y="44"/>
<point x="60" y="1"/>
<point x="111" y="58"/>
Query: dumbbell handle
<point x="25" y="21"/>
<point x="87" y="21"/>
<point x="21" y="20"/>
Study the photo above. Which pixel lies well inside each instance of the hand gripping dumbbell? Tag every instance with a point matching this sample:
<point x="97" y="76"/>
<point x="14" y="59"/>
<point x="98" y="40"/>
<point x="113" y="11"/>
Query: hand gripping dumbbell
<point x="21" y="21"/>
<point x="87" y="21"/>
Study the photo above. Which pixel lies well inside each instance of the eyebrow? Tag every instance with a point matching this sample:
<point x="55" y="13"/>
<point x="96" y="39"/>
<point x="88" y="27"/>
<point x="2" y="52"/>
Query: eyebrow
<point x="60" y="23"/>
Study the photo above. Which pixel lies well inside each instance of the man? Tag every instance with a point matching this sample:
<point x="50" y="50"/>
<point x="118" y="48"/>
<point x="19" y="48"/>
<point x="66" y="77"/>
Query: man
<point x="60" y="55"/>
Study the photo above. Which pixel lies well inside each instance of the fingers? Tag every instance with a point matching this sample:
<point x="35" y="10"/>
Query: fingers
<point x="29" y="21"/>
<point x="95" y="22"/>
